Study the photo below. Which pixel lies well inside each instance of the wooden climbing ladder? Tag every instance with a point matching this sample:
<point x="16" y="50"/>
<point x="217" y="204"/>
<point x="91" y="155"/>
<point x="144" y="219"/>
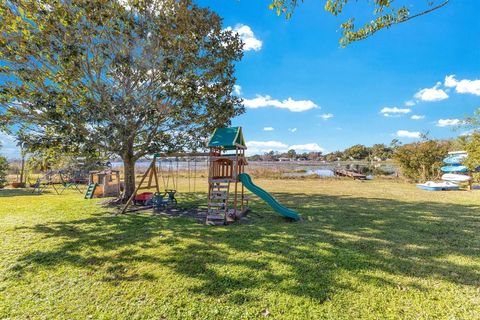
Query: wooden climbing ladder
<point x="218" y="202"/>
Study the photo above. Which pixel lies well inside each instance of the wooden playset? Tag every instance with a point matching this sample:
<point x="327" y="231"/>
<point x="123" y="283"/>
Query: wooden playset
<point x="104" y="183"/>
<point x="227" y="181"/>
<point x="226" y="195"/>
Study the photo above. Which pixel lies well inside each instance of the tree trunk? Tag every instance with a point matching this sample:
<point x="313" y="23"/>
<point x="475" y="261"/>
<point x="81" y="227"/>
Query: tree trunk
<point x="22" y="171"/>
<point x="129" y="174"/>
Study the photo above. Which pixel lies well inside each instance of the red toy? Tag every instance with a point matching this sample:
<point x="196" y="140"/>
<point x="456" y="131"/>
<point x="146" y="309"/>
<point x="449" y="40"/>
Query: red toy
<point x="143" y="199"/>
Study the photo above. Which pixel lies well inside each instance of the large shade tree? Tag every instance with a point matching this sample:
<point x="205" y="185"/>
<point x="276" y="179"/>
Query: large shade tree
<point x="384" y="14"/>
<point x="126" y="77"/>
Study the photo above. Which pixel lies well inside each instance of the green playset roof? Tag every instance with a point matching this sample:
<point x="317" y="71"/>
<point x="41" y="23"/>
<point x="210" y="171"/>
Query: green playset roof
<point x="227" y="139"/>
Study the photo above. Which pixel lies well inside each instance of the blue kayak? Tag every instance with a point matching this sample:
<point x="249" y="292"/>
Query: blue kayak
<point x="454" y="169"/>
<point x="455" y="159"/>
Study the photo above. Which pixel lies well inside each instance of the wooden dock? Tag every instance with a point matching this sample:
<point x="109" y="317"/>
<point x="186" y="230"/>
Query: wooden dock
<point x="348" y="173"/>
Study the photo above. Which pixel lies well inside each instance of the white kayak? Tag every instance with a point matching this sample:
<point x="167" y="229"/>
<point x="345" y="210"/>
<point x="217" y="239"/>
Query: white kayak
<point x="438" y="186"/>
<point x="456" y="177"/>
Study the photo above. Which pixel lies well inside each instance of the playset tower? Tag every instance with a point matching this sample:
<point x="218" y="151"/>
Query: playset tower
<point x="226" y="194"/>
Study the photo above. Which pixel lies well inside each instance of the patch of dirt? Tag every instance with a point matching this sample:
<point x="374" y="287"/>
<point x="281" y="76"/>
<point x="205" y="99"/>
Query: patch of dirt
<point x="198" y="214"/>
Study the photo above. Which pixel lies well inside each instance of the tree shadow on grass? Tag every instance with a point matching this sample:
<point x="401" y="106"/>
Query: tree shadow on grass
<point x="15" y="193"/>
<point x="338" y="235"/>
<point x="21" y="192"/>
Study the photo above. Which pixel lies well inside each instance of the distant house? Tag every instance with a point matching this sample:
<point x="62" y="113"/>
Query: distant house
<point x="282" y="159"/>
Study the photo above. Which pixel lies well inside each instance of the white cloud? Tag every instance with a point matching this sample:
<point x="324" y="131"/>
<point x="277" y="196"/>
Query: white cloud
<point x="467" y="133"/>
<point x="237" y="89"/>
<point x="308" y="147"/>
<point x="417" y="117"/>
<point x="260" y="147"/>
<point x="394" y="111"/>
<point x="463" y="86"/>
<point x="409" y="103"/>
<point x="408" y="134"/>
<point x="449" y="122"/>
<point x="292" y="130"/>
<point x="431" y="94"/>
<point x="290" y="104"/>
<point x="326" y="116"/>
<point x="268" y="129"/>
<point x="250" y="42"/>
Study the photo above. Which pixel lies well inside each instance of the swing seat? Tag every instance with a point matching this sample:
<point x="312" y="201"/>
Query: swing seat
<point x="159" y="202"/>
<point x="171" y="196"/>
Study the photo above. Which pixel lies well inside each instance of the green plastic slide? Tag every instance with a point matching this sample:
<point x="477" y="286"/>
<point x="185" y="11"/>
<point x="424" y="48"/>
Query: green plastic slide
<point x="267" y="197"/>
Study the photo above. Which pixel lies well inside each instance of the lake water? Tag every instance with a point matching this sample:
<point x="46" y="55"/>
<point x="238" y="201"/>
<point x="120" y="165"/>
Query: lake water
<point x="292" y="169"/>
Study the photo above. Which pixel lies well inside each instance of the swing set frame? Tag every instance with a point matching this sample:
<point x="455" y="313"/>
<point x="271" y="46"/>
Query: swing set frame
<point x="153" y="181"/>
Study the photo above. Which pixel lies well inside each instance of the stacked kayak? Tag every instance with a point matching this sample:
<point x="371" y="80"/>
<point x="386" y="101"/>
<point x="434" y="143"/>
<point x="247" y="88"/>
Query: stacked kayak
<point x="455" y="177"/>
<point x="454" y="173"/>
<point x="456" y="157"/>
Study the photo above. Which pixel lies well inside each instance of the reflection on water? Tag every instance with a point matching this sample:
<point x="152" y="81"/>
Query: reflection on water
<point x="318" y="172"/>
<point x="321" y="172"/>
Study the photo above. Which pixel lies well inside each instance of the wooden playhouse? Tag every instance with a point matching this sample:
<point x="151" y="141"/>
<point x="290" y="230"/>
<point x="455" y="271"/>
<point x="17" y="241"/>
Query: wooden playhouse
<point x="104" y="183"/>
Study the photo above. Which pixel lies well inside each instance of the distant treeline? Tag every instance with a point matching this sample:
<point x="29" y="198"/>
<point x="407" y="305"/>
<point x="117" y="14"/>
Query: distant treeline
<point x="418" y="161"/>
<point x="377" y="152"/>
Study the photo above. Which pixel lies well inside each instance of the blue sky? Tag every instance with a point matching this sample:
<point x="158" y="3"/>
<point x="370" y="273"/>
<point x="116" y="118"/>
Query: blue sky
<point x="302" y="60"/>
<point x="303" y="90"/>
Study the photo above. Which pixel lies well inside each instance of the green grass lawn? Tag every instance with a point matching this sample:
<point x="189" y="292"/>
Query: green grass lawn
<point x="369" y="250"/>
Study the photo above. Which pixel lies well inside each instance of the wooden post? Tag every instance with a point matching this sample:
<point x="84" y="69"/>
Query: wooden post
<point x="155" y="175"/>
<point x="150" y="178"/>
<point x="235" y="176"/>
<point x="139" y="185"/>
<point x="243" y="187"/>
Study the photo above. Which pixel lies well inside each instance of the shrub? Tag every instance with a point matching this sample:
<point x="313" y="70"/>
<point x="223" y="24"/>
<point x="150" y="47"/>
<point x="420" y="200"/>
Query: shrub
<point x="472" y="146"/>
<point x="421" y="161"/>
<point x="3" y="171"/>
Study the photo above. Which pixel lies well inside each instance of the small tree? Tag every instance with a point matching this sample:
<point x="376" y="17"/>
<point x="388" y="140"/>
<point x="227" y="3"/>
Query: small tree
<point x="357" y="152"/>
<point x="471" y="141"/>
<point x="334" y="156"/>
<point x="381" y="151"/>
<point x="3" y="170"/>
<point x="291" y="154"/>
<point x="421" y="161"/>
<point x="128" y="78"/>
<point x="472" y="146"/>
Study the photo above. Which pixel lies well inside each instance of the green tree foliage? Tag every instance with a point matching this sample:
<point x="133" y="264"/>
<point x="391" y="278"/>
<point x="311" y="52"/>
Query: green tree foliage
<point x="128" y="78"/>
<point x="291" y="154"/>
<point x="356" y="152"/>
<point x="3" y="170"/>
<point x="381" y="151"/>
<point x="334" y="156"/>
<point x="386" y="13"/>
<point x="471" y="142"/>
<point x="421" y="161"/>
<point x="472" y="146"/>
